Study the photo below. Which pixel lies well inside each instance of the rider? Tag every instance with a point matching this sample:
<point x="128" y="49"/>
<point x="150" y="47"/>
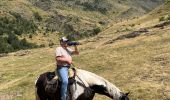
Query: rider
<point x="64" y="61"/>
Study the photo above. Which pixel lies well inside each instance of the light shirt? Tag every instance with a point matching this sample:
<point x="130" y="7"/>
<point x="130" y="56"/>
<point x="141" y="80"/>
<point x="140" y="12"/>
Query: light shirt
<point x="60" y="51"/>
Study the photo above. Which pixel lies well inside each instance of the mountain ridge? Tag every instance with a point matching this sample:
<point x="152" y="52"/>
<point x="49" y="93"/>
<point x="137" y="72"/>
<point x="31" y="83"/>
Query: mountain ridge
<point x="75" y="19"/>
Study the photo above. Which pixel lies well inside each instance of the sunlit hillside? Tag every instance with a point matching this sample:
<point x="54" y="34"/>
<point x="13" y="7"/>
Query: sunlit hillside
<point x="135" y="62"/>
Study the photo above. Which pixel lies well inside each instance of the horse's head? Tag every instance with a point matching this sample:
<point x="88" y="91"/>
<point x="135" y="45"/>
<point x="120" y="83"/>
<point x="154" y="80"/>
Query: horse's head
<point x="124" y="96"/>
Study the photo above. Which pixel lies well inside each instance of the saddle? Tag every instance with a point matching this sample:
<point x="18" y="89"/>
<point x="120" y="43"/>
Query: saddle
<point x="53" y="80"/>
<point x="71" y="74"/>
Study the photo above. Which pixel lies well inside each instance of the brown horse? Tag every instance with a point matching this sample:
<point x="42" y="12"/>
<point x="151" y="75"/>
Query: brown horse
<point x="84" y="88"/>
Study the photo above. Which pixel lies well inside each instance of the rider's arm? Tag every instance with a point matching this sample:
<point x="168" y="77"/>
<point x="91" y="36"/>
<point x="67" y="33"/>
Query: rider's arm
<point x="75" y="52"/>
<point x="63" y="59"/>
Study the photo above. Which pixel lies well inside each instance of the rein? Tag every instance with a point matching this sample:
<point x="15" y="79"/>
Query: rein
<point x="81" y="84"/>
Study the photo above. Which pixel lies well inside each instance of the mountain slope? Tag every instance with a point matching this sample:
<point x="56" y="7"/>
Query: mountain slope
<point x="73" y="16"/>
<point x="35" y="21"/>
<point x="139" y="64"/>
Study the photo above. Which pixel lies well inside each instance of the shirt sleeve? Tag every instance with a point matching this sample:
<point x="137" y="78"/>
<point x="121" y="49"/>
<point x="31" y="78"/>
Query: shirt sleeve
<point x="70" y="51"/>
<point x="58" y="52"/>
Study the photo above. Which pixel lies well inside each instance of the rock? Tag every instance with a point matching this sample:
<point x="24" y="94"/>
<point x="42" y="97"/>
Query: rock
<point x="103" y="22"/>
<point x="22" y="53"/>
<point x="3" y="55"/>
<point x="161" y="25"/>
<point x="130" y="35"/>
<point x="133" y="34"/>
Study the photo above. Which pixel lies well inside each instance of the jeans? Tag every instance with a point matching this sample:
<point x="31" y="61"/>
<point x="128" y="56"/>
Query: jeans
<point x="63" y="74"/>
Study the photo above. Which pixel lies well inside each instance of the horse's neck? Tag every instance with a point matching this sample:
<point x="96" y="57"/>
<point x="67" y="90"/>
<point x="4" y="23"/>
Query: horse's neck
<point x="99" y="84"/>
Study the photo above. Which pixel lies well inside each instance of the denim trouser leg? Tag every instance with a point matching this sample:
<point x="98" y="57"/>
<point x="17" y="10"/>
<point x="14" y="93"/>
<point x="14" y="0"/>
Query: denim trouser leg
<point x="63" y="74"/>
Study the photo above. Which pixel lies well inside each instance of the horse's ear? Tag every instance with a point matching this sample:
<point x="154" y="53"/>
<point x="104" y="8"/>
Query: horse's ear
<point x="127" y="93"/>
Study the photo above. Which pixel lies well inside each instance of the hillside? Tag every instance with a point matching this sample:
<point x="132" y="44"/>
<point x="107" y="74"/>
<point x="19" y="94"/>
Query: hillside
<point x="137" y="63"/>
<point x="35" y="23"/>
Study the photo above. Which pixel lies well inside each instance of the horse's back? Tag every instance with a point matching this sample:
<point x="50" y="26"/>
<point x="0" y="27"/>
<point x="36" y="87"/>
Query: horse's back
<point x="40" y="85"/>
<point x="41" y="78"/>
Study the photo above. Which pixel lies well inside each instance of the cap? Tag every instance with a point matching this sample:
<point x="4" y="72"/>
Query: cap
<point x="64" y="39"/>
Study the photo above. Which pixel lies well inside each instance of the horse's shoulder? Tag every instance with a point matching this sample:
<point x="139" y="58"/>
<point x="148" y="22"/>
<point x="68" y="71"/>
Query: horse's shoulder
<point x="44" y="76"/>
<point x="50" y="75"/>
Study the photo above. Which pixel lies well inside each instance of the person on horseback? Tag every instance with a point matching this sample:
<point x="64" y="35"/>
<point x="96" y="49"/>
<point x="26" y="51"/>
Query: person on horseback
<point x="63" y="61"/>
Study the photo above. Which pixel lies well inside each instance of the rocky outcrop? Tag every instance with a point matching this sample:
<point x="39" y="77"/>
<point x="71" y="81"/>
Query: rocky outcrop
<point x="130" y="35"/>
<point x="139" y="32"/>
<point x="162" y="25"/>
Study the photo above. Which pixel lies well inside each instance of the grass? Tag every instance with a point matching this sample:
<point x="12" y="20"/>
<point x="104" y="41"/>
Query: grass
<point x="27" y="68"/>
<point x="139" y="65"/>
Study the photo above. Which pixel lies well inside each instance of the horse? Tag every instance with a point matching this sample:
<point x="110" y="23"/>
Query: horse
<point x="84" y="88"/>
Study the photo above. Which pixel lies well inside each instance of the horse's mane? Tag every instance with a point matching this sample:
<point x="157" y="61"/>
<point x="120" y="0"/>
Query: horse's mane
<point x="94" y="80"/>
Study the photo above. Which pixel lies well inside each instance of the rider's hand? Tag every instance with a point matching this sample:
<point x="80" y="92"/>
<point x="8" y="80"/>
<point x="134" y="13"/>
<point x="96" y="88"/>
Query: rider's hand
<point x="69" y="61"/>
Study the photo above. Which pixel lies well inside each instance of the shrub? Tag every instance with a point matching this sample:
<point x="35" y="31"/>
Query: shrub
<point x="162" y="18"/>
<point x="98" y="5"/>
<point x="168" y="18"/>
<point x="24" y="44"/>
<point x="103" y="10"/>
<point x="167" y="1"/>
<point x="12" y="43"/>
<point x="10" y="27"/>
<point x="89" y="6"/>
<point x="51" y="44"/>
<point x="96" y="31"/>
<point x="16" y="44"/>
<point x="30" y="36"/>
<point x="17" y="25"/>
<point x="4" y="46"/>
<point x="11" y="38"/>
<point x="37" y="16"/>
<point x="42" y="45"/>
<point x="132" y="25"/>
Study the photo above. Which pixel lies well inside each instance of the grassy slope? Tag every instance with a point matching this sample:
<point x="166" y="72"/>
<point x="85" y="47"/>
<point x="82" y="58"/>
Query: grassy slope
<point x="89" y="19"/>
<point x="140" y="65"/>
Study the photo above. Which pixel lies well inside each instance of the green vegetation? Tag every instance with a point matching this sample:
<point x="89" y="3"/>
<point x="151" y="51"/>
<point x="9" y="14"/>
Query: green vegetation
<point x="10" y="28"/>
<point x="96" y="31"/>
<point x="164" y="18"/>
<point x="168" y="18"/>
<point x="37" y="16"/>
<point x="10" y="43"/>
<point x="98" y="5"/>
<point x="167" y="1"/>
<point x="17" y="25"/>
<point x="102" y="6"/>
<point x="81" y="35"/>
<point x="77" y="19"/>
